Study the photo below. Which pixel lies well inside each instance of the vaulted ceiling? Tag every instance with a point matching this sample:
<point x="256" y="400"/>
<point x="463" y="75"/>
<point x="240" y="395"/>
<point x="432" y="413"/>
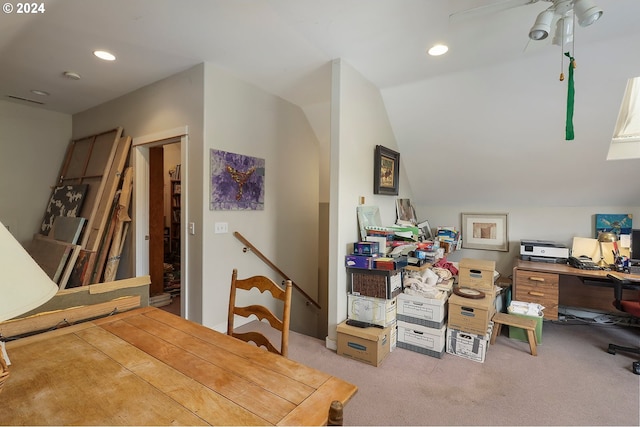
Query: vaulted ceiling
<point x="284" y="46"/>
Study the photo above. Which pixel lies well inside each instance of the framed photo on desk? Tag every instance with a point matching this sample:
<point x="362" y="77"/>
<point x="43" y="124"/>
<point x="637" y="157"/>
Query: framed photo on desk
<point x="485" y="231"/>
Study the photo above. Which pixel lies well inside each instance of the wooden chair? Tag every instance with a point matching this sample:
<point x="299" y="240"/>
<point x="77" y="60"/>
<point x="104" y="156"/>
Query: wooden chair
<point x="280" y="323"/>
<point x="4" y="372"/>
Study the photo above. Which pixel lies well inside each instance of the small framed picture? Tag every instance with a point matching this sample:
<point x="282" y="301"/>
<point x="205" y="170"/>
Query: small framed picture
<point x="426" y="229"/>
<point x="485" y="231"/>
<point x="405" y="213"/>
<point x="386" y="171"/>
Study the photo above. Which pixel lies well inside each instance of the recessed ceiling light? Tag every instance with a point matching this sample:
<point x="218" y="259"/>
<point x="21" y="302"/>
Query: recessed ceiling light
<point x="39" y="92"/>
<point x="438" y="50"/>
<point x="71" y="75"/>
<point x="103" y="54"/>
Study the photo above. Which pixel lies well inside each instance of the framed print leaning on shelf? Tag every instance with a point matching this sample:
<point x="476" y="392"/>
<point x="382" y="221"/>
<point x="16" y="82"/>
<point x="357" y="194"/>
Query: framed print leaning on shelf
<point x="485" y="231"/>
<point x="405" y="213"/>
<point x="386" y="171"/>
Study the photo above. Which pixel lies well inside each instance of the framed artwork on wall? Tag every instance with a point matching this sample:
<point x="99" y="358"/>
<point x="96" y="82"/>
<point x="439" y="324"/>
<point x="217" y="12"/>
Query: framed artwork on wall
<point x="485" y="231"/>
<point x="617" y="223"/>
<point x="386" y="171"/>
<point x="237" y="181"/>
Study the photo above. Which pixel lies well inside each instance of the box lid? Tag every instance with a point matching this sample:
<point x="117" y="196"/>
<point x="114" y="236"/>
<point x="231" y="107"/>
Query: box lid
<point x="370" y="334"/>
<point x="481" y="303"/>
<point x="440" y="299"/>
<point x="477" y="264"/>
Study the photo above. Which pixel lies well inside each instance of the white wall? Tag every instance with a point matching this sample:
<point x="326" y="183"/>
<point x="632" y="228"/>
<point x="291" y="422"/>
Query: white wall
<point x="243" y="119"/>
<point x="496" y="134"/>
<point x="33" y="144"/>
<point x="225" y="113"/>
<point x="493" y="141"/>
<point x="359" y="122"/>
<point x="176" y="101"/>
<point x="557" y="224"/>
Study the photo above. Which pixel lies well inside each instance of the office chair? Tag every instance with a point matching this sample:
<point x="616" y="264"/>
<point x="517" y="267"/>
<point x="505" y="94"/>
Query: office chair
<point x="280" y="323"/>
<point x="631" y="307"/>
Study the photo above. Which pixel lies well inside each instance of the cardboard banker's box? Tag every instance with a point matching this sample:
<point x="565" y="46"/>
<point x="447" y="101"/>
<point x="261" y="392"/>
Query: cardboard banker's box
<point x="430" y="312"/>
<point x="469" y="346"/>
<point x="368" y="345"/>
<point x="476" y="274"/>
<point x="422" y="339"/>
<point x="471" y="315"/>
<point x="378" y="311"/>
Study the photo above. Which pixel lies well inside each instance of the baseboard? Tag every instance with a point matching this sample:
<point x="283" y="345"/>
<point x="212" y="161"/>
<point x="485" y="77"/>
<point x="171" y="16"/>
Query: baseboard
<point x="331" y="344"/>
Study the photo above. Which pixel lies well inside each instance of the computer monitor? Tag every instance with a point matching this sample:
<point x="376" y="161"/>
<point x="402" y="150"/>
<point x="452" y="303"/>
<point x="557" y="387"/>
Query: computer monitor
<point x="635" y="244"/>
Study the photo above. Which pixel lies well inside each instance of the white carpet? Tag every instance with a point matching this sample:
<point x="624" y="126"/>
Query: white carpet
<point x="572" y="381"/>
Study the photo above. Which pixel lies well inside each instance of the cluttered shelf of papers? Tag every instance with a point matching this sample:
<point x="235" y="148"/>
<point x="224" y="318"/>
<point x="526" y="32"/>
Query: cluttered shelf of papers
<point x="407" y="237"/>
<point x="379" y="255"/>
<point x="417" y="252"/>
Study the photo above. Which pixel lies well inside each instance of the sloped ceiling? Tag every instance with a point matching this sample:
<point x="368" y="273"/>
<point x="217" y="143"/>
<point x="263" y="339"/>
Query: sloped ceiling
<point x="483" y="124"/>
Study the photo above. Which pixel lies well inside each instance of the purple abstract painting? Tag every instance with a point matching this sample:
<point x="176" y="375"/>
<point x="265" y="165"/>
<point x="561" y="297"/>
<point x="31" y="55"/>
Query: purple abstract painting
<point x="237" y="181"/>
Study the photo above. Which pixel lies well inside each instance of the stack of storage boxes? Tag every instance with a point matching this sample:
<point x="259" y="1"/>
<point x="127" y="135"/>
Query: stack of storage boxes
<point x="469" y="325"/>
<point x="371" y="298"/>
<point x="421" y="320"/>
<point x="422" y="323"/>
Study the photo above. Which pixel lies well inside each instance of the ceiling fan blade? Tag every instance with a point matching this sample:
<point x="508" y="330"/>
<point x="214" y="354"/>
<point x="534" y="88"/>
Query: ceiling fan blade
<point x="489" y="9"/>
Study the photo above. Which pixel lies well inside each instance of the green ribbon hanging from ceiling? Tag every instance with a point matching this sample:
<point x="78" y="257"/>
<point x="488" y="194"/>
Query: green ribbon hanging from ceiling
<point x="570" y="99"/>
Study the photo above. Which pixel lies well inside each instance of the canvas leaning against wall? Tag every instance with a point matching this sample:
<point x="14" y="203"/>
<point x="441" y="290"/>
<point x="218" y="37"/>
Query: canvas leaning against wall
<point x="237" y="181"/>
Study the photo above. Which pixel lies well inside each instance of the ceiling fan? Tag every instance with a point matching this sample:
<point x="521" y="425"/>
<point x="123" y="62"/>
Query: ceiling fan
<point x="561" y="12"/>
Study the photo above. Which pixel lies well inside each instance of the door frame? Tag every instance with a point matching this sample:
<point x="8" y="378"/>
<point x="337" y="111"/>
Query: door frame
<point x="140" y="162"/>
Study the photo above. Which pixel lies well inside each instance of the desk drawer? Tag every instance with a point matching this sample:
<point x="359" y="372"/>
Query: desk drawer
<point x="540" y="288"/>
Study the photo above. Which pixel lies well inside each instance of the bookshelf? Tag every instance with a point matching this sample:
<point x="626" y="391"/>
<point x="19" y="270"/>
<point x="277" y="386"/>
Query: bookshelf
<point x="172" y="257"/>
<point x="174" y="237"/>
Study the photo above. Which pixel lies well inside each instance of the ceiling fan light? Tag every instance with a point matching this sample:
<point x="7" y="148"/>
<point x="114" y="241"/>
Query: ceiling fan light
<point x="564" y="31"/>
<point x="542" y="26"/>
<point x="587" y="12"/>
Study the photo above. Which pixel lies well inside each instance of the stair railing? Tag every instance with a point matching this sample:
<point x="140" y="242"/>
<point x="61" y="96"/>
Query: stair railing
<point x="250" y="247"/>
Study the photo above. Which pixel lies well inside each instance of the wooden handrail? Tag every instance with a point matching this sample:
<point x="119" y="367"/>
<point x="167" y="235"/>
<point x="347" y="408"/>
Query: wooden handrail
<point x="274" y="267"/>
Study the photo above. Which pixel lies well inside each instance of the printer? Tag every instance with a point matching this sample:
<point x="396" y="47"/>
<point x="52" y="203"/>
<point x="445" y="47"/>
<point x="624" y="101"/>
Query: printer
<point x="543" y="251"/>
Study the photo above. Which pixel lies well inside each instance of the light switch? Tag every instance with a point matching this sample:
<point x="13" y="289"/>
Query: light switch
<point x="221" y="227"/>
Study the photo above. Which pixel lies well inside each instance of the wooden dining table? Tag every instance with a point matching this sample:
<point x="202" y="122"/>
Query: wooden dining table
<point x="150" y="367"/>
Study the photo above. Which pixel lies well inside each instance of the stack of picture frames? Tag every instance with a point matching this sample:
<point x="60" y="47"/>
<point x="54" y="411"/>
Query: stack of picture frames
<point x="86" y="219"/>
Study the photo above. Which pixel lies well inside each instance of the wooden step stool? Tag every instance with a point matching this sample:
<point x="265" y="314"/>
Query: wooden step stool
<point x="529" y="325"/>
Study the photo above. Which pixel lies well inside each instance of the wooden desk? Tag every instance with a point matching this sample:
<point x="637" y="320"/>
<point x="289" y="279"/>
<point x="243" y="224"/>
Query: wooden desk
<point x="149" y="367"/>
<point x="552" y="285"/>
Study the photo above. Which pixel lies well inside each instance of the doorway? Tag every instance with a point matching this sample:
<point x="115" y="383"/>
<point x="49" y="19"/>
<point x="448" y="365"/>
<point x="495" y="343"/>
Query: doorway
<point x="160" y="207"/>
<point x="171" y="185"/>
